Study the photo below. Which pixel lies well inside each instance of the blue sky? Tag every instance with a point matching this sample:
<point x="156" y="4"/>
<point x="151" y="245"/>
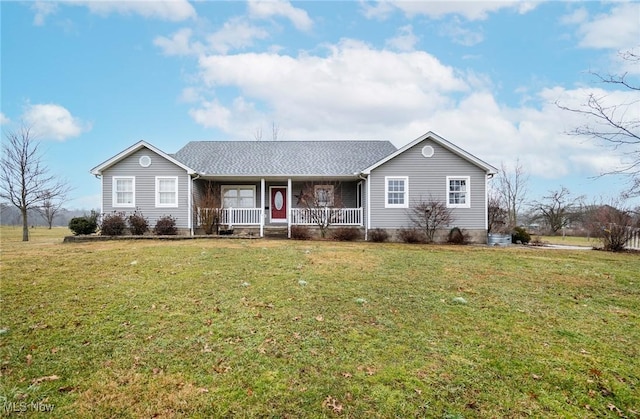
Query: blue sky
<point x="93" y="78"/>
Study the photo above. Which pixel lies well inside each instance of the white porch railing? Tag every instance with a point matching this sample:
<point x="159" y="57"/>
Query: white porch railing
<point x="332" y="216"/>
<point x="234" y="216"/>
<point x="299" y="216"/>
<point x="634" y="239"/>
<point x="240" y="216"/>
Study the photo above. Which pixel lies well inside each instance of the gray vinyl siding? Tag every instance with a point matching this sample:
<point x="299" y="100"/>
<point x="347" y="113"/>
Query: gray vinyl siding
<point x="427" y="177"/>
<point x="145" y="187"/>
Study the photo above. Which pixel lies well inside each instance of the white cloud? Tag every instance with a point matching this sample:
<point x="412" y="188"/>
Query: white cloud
<point x="171" y="10"/>
<point x="3" y="119"/>
<point x="264" y="9"/>
<point x="212" y="115"/>
<point x="42" y="9"/>
<point x="179" y="43"/>
<point x="459" y="34"/>
<point x="380" y="10"/>
<point x="405" y="40"/>
<point x="347" y="89"/>
<point x="356" y="91"/>
<point x="617" y="29"/>
<point x="53" y="121"/>
<point x="236" y="33"/>
<point x="576" y="17"/>
<point x="470" y="9"/>
<point x="190" y="95"/>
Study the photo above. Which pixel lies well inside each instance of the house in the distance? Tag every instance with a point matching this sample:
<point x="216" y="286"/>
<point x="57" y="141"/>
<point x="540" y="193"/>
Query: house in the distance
<point x="262" y="186"/>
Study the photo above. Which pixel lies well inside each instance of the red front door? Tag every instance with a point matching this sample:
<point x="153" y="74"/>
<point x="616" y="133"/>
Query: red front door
<point x="279" y="204"/>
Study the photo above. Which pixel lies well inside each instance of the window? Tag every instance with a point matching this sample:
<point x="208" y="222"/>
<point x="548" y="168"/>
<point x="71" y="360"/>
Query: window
<point x="359" y="195"/>
<point x="458" y="192"/>
<point x="124" y="191"/>
<point x="396" y="192"/>
<point x="324" y="195"/>
<point x="238" y="196"/>
<point x="166" y="191"/>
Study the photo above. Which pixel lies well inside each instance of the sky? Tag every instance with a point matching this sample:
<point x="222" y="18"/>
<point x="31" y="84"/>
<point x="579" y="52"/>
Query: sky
<point x="93" y="77"/>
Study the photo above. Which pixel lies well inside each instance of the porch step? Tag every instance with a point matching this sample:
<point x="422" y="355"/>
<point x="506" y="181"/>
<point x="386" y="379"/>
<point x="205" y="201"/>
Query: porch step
<point x="276" y="232"/>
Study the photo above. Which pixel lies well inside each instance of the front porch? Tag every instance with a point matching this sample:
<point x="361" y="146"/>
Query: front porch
<point x="256" y="204"/>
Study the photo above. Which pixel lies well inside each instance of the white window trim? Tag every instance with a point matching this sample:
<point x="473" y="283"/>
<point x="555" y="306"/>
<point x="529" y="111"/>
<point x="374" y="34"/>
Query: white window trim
<point x="406" y="191"/>
<point x="330" y="195"/>
<point x="114" y="195"/>
<point x="467" y="203"/>
<point x="225" y="187"/>
<point x="158" y="203"/>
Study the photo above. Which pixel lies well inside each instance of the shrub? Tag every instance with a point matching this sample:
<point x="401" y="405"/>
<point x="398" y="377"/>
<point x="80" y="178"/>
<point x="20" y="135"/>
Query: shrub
<point x="411" y="235"/>
<point x="378" y="235"/>
<point x="166" y="226"/>
<point x="612" y="225"/>
<point x="300" y="233"/>
<point x="457" y="236"/>
<point x="429" y="216"/>
<point x="113" y="224"/>
<point x="137" y="224"/>
<point x="536" y="241"/>
<point x="520" y="235"/>
<point x="87" y="224"/>
<point x="345" y="234"/>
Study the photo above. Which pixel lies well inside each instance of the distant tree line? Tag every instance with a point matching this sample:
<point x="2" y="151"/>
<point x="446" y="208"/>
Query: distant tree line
<point x="11" y="216"/>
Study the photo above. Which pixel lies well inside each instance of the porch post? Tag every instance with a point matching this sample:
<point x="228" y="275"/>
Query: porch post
<point x="368" y="201"/>
<point x="289" y="208"/>
<point x="262" y="185"/>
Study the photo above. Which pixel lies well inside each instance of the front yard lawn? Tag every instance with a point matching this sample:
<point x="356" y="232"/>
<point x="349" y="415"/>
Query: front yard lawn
<point x="246" y="328"/>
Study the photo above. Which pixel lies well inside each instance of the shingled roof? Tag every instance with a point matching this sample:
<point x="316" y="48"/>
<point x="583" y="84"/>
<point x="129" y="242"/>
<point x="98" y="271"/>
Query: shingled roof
<point x="274" y="158"/>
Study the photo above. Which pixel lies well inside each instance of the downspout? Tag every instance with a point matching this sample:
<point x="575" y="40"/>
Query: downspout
<point x="486" y="204"/>
<point x="365" y="179"/>
<point x="190" y="192"/>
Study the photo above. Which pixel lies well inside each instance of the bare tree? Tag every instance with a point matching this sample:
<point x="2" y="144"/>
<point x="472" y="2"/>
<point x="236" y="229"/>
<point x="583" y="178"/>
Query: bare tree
<point x="430" y="215"/>
<point x="24" y="179"/>
<point x="613" y="223"/>
<point x="207" y="208"/>
<point x="275" y="132"/>
<point x="322" y="202"/>
<point x="558" y="209"/>
<point x="51" y="206"/>
<point x="257" y="134"/>
<point x="512" y="190"/>
<point x="616" y="125"/>
<point x="496" y="214"/>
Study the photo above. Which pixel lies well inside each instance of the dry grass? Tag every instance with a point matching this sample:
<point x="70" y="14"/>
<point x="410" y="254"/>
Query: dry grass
<point x="207" y="328"/>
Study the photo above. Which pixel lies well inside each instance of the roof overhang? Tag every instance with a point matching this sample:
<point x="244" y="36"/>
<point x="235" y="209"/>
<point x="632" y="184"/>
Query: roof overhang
<point x="278" y="177"/>
<point x="489" y="169"/>
<point x="137" y="146"/>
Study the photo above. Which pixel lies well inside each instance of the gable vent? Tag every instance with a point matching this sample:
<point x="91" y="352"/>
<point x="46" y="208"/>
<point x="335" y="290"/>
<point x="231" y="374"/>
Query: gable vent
<point x="427" y="151"/>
